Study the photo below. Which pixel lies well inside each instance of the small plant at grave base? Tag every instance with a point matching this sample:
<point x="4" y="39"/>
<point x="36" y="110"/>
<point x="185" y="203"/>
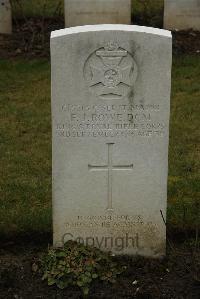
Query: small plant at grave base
<point x="78" y="265"/>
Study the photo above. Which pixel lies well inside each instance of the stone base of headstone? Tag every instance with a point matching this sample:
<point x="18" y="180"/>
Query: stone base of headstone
<point x="91" y="12"/>
<point x="182" y="14"/>
<point x="5" y="17"/>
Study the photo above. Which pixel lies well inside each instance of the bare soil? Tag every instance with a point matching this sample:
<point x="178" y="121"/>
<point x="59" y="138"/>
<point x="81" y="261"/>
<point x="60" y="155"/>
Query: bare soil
<point x="175" y="277"/>
<point x="31" y="36"/>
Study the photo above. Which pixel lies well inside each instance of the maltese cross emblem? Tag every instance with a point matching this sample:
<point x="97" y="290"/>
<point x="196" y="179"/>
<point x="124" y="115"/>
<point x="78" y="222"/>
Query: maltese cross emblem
<point x="110" y="72"/>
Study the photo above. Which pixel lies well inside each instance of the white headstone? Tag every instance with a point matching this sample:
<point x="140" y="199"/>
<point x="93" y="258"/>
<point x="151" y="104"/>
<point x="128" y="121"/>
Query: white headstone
<point x="5" y="17"/>
<point x="182" y="14"/>
<point x="90" y="12"/>
<point x="110" y="120"/>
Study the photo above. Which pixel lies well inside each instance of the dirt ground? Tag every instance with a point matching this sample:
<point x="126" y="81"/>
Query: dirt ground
<point x="175" y="277"/>
<point x="30" y="39"/>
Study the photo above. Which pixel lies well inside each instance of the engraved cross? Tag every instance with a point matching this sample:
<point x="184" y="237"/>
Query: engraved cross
<point x="109" y="168"/>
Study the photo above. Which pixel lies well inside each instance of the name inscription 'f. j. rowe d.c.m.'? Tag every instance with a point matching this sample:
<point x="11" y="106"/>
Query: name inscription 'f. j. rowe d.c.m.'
<point x="110" y="122"/>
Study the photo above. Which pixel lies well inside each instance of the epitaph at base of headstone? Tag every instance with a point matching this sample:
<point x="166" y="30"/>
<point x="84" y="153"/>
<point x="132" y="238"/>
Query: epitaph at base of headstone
<point x="91" y="12"/>
<point x="110" y="122"/>
<point x="5" y="17"/>
<point x="182" y="14"/>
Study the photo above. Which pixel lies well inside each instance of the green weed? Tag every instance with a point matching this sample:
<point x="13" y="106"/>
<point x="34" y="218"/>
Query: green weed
<point x="78" y="265"/>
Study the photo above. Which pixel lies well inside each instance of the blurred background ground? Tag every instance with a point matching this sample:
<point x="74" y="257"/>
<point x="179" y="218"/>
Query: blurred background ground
<point x="34" y="20"/>
<point x="31" y="36"/>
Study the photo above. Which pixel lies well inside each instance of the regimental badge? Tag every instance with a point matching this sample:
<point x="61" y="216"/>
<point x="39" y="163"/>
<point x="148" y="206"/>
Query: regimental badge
<point x="110" y="72"/>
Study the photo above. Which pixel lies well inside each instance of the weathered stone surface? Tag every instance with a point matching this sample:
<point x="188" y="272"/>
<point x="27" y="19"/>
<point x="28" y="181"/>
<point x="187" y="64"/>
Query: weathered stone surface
<point x="182" y="14"/>
<point x="90" y="12"/>
<point x="110" y="121"/>
<point x="5" y="17"/>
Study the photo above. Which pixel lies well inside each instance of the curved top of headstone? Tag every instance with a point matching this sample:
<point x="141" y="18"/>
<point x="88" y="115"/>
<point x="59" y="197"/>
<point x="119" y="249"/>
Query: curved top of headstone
<point x="110" y="27"/>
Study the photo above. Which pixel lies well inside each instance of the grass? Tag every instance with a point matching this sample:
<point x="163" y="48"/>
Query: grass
<point x="184" y="158"/>
<point x="25" y="194"/>
<point x="25" y="146"/>
<point x="148" y="12"/>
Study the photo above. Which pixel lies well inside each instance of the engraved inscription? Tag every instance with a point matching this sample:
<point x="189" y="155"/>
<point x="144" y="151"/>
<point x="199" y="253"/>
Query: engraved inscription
<point x="110" y="72"/>
<point x="108" y="121"/>
<point x="109" y="168"/>
<point x="107" y="221"/>
<point x="115" y="221"/>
